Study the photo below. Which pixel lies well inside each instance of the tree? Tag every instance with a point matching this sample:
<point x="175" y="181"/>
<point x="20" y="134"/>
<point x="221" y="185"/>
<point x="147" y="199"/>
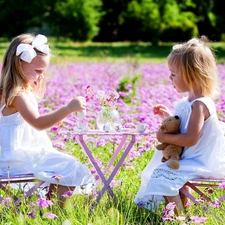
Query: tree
<point x="140" y="21"/>
<point x="178" y="23"/>
<point x="76" y="19"/>
<point x="18" y="17"/>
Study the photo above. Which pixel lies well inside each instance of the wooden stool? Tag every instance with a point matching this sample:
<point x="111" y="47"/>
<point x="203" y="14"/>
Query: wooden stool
<point x="19" y="179"/>
<point x="194" y="184"/>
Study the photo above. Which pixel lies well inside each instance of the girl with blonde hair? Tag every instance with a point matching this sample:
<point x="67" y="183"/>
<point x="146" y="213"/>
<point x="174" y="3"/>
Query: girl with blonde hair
<point x="24" y="143"/>
<point x="193" y="71"/>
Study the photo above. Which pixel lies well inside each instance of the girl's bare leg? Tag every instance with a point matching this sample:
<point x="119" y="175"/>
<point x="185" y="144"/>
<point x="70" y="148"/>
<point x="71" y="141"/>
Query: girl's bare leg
<point x="177" y="200"/>
<point x="60" y="190"/>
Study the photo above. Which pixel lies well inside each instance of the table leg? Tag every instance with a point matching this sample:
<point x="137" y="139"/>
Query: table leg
<point x="123" y="140"/>
<point x="95" y="165"/>
<point x="120" y="162"/>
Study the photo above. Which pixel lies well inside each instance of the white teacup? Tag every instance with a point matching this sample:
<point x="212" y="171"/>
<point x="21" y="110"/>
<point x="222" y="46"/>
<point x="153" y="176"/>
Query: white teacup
<point x="141" y="128"/>
<point x="83" y="126"/>
<point x="106" y="127"/>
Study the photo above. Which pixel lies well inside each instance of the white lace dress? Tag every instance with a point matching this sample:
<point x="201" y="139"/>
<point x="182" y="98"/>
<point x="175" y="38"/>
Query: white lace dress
<point x="23" y="150"/>
<point x="204" y="159"/>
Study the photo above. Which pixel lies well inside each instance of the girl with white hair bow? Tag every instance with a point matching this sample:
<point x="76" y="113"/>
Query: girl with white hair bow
<point x="24" y="143"/>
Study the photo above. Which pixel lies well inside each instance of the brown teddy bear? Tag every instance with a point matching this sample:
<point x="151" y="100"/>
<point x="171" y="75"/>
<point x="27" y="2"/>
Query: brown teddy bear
<point x="171" y="153"/>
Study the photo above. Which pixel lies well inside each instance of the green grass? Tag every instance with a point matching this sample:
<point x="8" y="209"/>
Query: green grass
<point x="66" y="51"/>
<point x="107" y="212"/>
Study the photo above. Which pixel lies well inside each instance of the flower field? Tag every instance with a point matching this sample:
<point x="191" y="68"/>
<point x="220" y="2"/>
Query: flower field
<point x="140" y="87"/>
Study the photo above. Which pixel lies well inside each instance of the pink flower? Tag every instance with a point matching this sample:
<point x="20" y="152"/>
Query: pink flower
<point x="170" y="206"/>
<point x="43" y="203"/>
<point x="188" y="204"/>
<point x="57" y="177"/>
<point x="216" y="204"/>
<point x="97" y="177"/>
<point x="180" y="218"/>
<point x="198" y="220"/>
<point x="49" y="215"/>
<point x="32" y="215"/>
<point x="6" y="201"/>
<point x="67" y="194"/>
<point x="222" y="186"/>
<point x="108" y="98"/>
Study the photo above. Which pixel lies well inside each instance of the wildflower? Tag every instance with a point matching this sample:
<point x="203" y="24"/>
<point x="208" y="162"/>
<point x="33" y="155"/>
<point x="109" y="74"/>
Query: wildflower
<point x="170" y="206"/>
<point x="67" y="194"/>
<point x="216" y="204"/>
<point x="200" y="200"/>
<point x="57" y="177"/>
<point x="43" y="203"/>
<point x="97" y="177"/>
<point x="6" y="201"/>
<point x="93" y="171"/>
<point x="188" y="204"/>
<point x="209" y="190"/>
<point x="115" y="183"/>
<point x="169" y="212"/>
<point x="89" y="95"/>
<point x="54" y="128"/>
<point x="180" y="218"/>
<point x="49" y="215"/>
<point x="198" y="220"/>
<point x="108" y="98"/>
<point x="222" y="186"/>
<point x="141" y="204"/>
<point x="32" y="215"/>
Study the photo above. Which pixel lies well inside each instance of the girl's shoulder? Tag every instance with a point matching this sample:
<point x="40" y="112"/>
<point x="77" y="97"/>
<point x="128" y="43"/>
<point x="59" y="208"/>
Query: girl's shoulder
<point x="208" y="102"/>
<point x="27" y="96"/>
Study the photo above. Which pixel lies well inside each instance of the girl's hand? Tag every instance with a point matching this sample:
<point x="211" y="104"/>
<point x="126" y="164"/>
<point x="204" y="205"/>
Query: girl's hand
<point x="162" y="111"/>
<point x="160" y="136"/>
<point x="77" y="104"/>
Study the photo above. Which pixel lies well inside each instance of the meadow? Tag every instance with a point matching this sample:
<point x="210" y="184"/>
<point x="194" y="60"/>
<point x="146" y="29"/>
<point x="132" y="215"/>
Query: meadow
<point x="138" y="72"/>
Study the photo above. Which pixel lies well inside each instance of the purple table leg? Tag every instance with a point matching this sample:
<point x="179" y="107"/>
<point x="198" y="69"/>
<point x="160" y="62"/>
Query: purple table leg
<point x="119" y="147"/>
<point x="120" y="162"/>
<point x="95" y="165"/>
<point x="106" y="182"/>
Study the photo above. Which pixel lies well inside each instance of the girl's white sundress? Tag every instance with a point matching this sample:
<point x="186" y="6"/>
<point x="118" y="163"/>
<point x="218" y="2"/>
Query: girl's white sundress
<point x="204" y="159"/>
<point x="24" y="150"/>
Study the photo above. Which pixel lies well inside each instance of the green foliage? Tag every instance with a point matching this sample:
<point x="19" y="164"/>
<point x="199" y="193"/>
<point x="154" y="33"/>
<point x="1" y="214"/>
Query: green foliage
<point x="114" y="20"/>
<point x="18" y="17"/>
<point x="140" y="20"/>
<point x="177" y="25"/>
<point x="77" y="19"/>
<point x="126" y="81"/>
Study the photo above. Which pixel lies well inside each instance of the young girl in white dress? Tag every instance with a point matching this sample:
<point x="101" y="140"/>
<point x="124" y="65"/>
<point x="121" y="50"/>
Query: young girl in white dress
<point x="24" y="144"/>
<point x="193" y="71"/>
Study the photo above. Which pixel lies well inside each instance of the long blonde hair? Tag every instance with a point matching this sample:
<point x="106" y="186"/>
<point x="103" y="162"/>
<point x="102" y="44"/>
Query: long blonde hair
<point x="196" y="62"/>
<point x="13" y="80"/>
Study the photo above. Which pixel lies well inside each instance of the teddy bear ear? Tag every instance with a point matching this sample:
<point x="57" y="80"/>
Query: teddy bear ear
<point x="177" y="117"/>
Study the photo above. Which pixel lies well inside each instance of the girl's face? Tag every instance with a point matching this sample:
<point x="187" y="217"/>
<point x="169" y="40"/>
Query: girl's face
<point x="34" y="71"/>
<point x="177" y="80"/>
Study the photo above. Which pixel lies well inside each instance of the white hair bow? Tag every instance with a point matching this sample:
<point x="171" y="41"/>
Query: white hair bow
<point x="27" y="50"/>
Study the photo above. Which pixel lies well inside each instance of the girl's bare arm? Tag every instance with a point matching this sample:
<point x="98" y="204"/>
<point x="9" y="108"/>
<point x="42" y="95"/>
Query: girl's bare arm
<point x="41" y="122"/>
<point x="199" y="114"/>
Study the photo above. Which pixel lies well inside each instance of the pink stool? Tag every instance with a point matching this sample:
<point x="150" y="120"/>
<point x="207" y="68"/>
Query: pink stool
<point x="19" y="179"/>
<point x="197" y="183"/>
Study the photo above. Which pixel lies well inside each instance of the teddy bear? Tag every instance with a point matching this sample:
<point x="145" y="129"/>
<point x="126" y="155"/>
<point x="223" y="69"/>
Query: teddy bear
<point x="171" y="153"/>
